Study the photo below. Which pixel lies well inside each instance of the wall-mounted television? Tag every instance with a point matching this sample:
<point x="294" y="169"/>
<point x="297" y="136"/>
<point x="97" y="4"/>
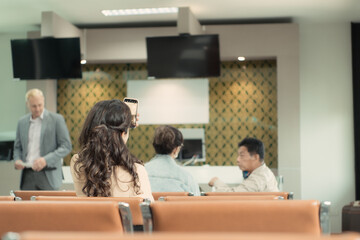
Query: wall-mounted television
<point x="46" y="58"/>
<point x="184" y="56"/>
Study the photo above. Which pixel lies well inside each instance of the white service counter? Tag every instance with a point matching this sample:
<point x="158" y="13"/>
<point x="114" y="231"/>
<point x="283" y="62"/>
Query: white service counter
<point x="10" y="178"/>
<point x="231" y="175"/>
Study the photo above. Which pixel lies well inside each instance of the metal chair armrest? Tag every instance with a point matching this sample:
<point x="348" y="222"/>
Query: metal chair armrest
<point x="126" y="217"/>
<point x="325" y="217"/>
<point x="147" y="217"/>
<point x="11" y="236"/>
<point x="291" y="196"/>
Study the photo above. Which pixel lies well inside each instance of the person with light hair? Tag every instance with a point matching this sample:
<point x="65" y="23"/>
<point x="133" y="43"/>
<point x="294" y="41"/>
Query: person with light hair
<point x="42" y="140"/>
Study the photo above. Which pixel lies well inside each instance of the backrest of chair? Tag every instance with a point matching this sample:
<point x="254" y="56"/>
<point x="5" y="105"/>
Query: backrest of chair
<point x="175" y="236"/>
<point x="7" y="198"/>
<point x="133" y="202"/>
<point x="21" y="216"/>
<point x="285" y="195"/>
<point x="216" y="198"/>
<point x="26" y="195"/>
<point x="298" y="216"/>
<point x="157" y="195"/>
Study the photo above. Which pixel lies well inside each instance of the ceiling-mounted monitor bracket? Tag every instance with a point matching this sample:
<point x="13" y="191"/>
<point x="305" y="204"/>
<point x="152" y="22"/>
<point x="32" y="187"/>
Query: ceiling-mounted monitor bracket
<point x="187" y="23"/>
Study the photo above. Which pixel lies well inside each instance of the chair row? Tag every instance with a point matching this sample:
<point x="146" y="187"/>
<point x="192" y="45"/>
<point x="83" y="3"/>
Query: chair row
<point x="134" y="202"/>
<point x="285" y="195"/>
<point x="26" y="195"/>
<point x="133" y="215"/>
<point x="136" y="216"/>
<point x="217" y="198"/>
<point x="7" y="198"/>
<point x="18" y="216"/>
<point x="95" y="214"/>
<point x="301" y="216"/>
<point x="173" y="236"/>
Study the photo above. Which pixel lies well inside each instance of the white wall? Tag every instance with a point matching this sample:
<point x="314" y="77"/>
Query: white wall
<point x="326" y="116"/>
<point x="12" y="93"/>
<point x="111" y="45"/>
<point x="157" y="99"/>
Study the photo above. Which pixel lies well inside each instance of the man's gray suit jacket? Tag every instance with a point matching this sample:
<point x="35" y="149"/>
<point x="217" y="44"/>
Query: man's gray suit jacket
<point x="54" y="144"/>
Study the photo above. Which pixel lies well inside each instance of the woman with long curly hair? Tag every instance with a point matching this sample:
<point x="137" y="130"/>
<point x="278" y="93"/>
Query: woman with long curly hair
<point x="104" y="167"/>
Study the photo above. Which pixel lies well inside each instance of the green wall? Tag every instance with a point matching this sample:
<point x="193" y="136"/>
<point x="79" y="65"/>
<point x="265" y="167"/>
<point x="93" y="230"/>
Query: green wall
<point x="12" y="103"/>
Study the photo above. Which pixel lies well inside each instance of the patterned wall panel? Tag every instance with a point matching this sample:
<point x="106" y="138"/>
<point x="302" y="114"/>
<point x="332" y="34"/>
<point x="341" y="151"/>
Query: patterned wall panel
<point x="242" y="103"/>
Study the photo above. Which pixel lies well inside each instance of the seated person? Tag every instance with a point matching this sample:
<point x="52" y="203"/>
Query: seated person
<point x="164" y="174"/>
<point x="258" y="177"/>
<point x="104" y="166"/>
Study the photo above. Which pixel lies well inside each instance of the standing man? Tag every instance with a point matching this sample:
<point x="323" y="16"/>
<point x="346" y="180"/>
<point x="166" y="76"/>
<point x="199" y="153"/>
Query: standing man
<point x="42" y="140"/>
<point x="258" y="177"/>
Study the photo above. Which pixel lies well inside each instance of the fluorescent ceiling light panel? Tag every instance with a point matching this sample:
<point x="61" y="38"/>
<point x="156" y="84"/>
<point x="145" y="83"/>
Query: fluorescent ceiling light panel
<point x="139" y="11"/>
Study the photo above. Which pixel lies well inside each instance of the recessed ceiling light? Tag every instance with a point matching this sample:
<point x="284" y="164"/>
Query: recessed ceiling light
<point x="139" y="11"/>
<point x="241" y="58"/>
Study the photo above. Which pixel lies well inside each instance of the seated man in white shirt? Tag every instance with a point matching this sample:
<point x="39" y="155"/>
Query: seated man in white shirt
<point x="258" y="177"/>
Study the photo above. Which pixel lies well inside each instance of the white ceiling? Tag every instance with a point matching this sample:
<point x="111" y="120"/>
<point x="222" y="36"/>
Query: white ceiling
<point x="25" y="15"/>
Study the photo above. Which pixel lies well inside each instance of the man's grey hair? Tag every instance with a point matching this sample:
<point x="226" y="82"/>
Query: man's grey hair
<point x="33" y="92"/>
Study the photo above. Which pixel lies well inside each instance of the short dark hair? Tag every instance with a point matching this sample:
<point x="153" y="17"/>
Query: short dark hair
<point x="166" y="139"/>
<point x="254" y="146"/>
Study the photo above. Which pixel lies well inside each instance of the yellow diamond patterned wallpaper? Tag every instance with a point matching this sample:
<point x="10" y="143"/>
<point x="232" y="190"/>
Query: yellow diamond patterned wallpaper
<point x="243" y="102"/>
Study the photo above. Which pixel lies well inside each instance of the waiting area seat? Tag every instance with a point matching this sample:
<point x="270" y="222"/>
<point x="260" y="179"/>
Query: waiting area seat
<point x="19" y="216"/>
<point x="26" y="195"/>
<point x="174" y="236"/>
<point x="134" y="203"/>
<point x="297" y="216"/>
<point x="157" y="195"/>
<point x="285" y="195"/>
<point x="7" y="198"/>
<point x="217" y="198"/>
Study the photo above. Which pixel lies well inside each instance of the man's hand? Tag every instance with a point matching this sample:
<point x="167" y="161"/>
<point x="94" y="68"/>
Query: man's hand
<point x="19" y="165"/>
<point x="212" y="181"/>
<point x="39" y="164"/>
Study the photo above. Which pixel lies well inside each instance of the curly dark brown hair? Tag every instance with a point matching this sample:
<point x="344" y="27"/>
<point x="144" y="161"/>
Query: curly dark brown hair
<point x="102" y="148"/>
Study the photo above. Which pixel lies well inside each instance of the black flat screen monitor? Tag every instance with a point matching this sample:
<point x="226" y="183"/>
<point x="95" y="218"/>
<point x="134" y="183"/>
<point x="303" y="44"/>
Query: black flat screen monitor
<point x="184" y="56"/>
<point x="6" y="150"/>
<point x="191" y="148"/>
<point x="46" y="58"/>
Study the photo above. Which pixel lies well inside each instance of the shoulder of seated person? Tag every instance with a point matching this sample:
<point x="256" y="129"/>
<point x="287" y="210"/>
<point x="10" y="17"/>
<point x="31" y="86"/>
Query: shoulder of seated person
<point x="74" y="157"/>
<point x="140" y="166"/>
